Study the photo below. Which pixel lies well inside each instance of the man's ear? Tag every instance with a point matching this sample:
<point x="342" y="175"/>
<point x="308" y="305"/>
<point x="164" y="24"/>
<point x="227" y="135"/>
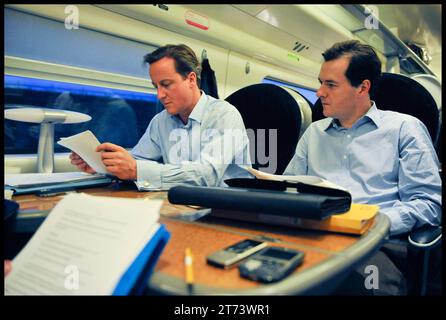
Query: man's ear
<point x="193" y="78"/>
<point x="364" y="87"/>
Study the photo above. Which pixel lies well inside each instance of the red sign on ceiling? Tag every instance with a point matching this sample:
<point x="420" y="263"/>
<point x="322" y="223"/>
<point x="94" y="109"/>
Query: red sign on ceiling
<point x="197" y="20"/>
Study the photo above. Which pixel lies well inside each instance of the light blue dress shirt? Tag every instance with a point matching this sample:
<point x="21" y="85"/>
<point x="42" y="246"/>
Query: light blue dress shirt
<point x="205" y="151"/>
<point x="385" y="158"/>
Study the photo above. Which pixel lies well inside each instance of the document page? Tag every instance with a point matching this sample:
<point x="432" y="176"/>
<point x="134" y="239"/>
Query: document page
<point x="85" y="144"/>
<point x="84" y="246"/>
<point x="312" y="180"/>
<point x="30" y="179"/>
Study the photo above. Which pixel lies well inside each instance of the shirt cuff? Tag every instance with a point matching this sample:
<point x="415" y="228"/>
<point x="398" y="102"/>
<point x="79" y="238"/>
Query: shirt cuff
<point x="148" y="175"/>
<point x="400" y="221"/>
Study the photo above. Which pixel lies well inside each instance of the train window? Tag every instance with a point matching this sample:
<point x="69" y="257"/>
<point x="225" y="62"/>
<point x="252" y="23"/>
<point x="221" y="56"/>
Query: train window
<point x="48" y="78"/>
<point x="118" y="116"/>
<point x="83" y="48"/>
<point x="309" y="94"/>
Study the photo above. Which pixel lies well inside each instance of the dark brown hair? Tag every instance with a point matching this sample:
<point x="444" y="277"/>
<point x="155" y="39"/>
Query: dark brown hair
<point x="364" y="62"/>
<point x="185" y="59"/>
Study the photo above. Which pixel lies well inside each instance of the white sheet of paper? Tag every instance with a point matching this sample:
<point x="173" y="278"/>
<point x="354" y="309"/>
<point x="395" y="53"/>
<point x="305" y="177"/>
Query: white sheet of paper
<point x="25" y="179"/>
<point x="313" y="180"/>
<point x="84" y="144"/>
<point x="88" y="241"/>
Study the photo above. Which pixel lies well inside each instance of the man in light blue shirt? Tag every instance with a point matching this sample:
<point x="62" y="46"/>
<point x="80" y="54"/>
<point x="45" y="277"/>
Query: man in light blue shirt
<point x="381" y="157"/>
<point x="193" y="153"/>
<point x="385" y="158"/>
<point x="196" y="140"/>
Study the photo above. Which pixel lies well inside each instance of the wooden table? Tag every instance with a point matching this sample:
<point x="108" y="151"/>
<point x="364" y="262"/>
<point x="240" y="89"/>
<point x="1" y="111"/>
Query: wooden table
<point x="329" y="257"/>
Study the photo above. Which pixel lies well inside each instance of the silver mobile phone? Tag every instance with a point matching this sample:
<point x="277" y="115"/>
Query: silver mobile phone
<point x="229" y="256"/>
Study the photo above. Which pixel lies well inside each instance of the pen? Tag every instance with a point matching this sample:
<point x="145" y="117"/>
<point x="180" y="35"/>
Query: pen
<point x="188" y="260"/>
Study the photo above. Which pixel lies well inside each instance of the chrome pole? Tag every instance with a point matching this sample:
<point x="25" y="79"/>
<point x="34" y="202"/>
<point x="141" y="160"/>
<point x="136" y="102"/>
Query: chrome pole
<point x="45" y="150"/>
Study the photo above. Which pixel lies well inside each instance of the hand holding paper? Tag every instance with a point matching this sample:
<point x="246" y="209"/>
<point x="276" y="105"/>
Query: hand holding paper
<point x="84" y="144"/>
<point x="118" y="161"/>
<point x="80" y="163"/>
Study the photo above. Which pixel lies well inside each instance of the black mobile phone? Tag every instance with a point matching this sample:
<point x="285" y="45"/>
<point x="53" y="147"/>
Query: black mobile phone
<point x="271" y="264"/>
<point x="229" y="256"/>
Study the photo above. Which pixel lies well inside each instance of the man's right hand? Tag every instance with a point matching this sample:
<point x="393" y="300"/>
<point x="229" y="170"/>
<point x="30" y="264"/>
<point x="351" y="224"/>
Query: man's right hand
<point x="80" y="163"/>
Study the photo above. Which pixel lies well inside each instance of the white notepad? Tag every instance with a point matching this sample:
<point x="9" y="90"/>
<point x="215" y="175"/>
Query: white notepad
<point x="84" y="246"/>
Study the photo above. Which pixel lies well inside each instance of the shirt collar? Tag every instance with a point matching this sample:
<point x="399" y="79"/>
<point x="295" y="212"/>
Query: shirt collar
<point x="372" y="114"/>
<point x="198" y="110"/>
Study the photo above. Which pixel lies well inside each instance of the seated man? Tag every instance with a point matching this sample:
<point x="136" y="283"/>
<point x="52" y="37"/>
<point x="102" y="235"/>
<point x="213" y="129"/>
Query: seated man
<point x="196" y="140"/>
<point x="381" y="157"/>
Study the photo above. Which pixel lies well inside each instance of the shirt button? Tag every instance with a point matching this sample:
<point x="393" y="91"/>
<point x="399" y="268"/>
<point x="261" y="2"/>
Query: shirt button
<point x="348" y="136"/>
<point x="146" y="183"/>
<point x="345" y="157"/>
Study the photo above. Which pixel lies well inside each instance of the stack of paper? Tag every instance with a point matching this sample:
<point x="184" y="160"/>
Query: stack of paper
<point x="90" y="245"/>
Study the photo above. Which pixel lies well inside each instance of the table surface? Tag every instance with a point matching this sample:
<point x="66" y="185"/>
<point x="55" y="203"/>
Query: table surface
<point x="327" y="255"/>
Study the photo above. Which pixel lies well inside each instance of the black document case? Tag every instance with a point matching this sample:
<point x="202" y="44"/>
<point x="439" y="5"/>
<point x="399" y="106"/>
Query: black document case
<point x="310" y="202"/>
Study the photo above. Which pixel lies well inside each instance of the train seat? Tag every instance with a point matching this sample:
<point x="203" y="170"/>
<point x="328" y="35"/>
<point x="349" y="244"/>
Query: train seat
<point x="267" y="106"/>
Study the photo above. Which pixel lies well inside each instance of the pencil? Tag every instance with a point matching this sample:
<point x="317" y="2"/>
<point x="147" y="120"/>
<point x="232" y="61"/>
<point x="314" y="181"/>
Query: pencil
<point x="188" y="260"/>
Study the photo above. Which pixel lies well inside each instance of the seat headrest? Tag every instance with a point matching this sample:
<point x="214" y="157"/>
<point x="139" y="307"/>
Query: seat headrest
<point x="267" y="106"/>
<point x="399" y="93"/>
<point x="305" y="107"/>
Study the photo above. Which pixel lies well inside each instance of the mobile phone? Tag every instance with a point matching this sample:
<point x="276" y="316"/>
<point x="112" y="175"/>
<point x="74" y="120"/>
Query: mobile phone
<point x="229" y="256"/>
<point x="271" y="264"/>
